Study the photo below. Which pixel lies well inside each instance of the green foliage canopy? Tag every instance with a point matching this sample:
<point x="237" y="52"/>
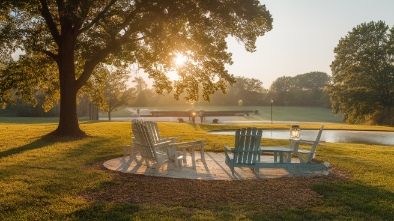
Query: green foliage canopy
<point x="303" y="89"/>
<point x="363" y="74"/>
<point x="64" y="41"/>
<point x="249" y="90"/>
<point x="111" y="91"/>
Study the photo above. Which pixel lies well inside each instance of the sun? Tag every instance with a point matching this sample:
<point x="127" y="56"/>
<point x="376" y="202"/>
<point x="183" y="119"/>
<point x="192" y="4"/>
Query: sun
<point x="180" y="59"/>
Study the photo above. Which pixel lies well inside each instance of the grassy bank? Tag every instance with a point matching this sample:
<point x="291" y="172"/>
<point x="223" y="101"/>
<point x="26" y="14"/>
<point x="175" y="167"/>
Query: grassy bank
<point x="45" y="179"/>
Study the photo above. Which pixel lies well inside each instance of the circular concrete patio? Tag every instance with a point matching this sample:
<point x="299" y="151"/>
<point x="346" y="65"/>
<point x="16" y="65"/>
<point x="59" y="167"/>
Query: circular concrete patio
<point x="214" y="169"/>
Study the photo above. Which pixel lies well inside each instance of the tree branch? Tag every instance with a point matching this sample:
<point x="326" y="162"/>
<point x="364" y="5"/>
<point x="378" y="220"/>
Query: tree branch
<point x="90" y="65"/>
<point x="98" y="17"/>
<point x="52" y="55"/>
<point x="82" y="16"/>
<point x="100" y="56"/>
<point x="49" y="21"/>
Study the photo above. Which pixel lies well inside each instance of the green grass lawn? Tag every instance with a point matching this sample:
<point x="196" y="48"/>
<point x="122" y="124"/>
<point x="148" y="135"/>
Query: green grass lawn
<point x="42" y="178"/>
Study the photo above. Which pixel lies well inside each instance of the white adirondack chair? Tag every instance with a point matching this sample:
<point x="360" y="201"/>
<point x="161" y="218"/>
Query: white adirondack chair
<point x="152" y="150"/>
<point x="175" y="148"/>
<point x="152" y="126"/>
<point x="304" y="155"/>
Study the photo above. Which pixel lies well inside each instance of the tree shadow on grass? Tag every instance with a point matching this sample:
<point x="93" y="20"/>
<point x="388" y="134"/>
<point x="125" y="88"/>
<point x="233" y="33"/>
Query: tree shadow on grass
<point x="37" y="144"/>
<point x="29" y="120"/>
<point x="44" y="141"/>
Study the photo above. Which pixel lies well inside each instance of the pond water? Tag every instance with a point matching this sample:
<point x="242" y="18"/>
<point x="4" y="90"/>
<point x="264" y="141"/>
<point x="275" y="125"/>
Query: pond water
<point x="333" y="136"/>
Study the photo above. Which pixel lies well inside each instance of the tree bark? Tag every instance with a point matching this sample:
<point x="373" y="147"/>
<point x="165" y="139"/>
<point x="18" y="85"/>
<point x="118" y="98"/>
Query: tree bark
<point x="68" y="121"/>
<point x="109" y="111"/>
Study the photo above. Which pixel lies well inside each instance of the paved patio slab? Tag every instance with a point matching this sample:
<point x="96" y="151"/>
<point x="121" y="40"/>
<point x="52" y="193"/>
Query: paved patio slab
<point x="214" y="169"/>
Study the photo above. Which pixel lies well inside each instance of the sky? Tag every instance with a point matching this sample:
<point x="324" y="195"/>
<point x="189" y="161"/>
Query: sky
<point x="304" y="35"/>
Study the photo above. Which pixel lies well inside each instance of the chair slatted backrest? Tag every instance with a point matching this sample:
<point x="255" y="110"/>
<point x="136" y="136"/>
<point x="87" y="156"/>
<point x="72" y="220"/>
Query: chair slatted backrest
<point x="315" y="144"/>
<point x="247" y="145"/>
<point x="144" y="139"/>
<point x="153" y="128"/>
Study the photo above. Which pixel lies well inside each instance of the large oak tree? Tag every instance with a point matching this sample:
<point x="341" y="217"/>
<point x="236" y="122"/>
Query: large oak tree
<point x="362" y="85"/>
<point x="63" y="41"/>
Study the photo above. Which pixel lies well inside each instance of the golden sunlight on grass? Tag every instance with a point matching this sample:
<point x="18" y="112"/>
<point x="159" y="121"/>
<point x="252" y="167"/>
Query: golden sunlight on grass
<point x="47" y="179"/>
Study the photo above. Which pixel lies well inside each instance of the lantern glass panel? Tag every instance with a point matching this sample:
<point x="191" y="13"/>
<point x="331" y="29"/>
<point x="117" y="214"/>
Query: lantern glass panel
<point x="295" y="132"/>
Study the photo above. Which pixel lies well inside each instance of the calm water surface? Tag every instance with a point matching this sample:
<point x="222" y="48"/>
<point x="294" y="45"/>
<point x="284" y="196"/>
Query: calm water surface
<point x="333" y="136"/>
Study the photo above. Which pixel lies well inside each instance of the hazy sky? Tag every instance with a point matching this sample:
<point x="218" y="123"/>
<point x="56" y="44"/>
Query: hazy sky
<point x="304" y="35"/>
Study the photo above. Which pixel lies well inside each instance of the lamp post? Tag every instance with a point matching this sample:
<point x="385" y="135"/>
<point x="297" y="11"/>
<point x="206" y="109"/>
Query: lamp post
<point x="272" y="101"/>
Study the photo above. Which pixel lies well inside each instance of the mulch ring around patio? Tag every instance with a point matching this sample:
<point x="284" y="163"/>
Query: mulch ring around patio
<point x="271" y="194"/>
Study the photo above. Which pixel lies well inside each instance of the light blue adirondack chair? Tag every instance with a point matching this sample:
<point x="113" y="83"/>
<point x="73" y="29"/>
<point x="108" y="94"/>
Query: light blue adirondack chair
<point x="246" y="151"/>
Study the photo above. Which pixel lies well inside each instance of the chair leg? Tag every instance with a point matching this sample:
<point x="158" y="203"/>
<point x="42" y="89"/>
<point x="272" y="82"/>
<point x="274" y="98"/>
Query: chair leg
<point x="180" y="160"/>
<point x="202" y="152"/>
<point x="232" y="168"/>
<point x="288" y="157"/>
<point x="184" y="155"/>
<point x="126" y="151"/>
<point x="176" y="159"/>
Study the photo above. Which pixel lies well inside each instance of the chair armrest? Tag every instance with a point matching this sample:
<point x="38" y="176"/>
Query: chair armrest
<point x="187" y="144"/>
<point x="176" y="138"/>
<point x="304" y="141"/>
<point x="311" y="142"/>
<point x="162" y="143"/>
<point x="228" y="148"/>
<point x="173" y="139"/>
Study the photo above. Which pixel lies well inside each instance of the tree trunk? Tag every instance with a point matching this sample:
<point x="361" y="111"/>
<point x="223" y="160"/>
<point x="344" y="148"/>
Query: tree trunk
<point x="109" y="111"/>
<point x="68" y="121"/>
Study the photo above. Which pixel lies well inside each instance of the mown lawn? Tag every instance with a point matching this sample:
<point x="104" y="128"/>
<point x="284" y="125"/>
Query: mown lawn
<point x="43" y="179"/>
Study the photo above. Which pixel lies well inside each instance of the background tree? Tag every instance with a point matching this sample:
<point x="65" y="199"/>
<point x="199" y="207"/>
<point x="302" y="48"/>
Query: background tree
<point x="363" y="74"/>
<point x="140" y="84"/>
<point x="114" y="92"/>
<point x="249" y="90"/>
<point x="304" y="89"/>
<point x="281" y="90"/>
<point x="309" y="89"/>
<point x="146" y="98"/>
<point x="63" y="42"/>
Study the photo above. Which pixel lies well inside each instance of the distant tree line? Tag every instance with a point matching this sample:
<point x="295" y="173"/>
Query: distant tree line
<point x="301" y="90"/>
